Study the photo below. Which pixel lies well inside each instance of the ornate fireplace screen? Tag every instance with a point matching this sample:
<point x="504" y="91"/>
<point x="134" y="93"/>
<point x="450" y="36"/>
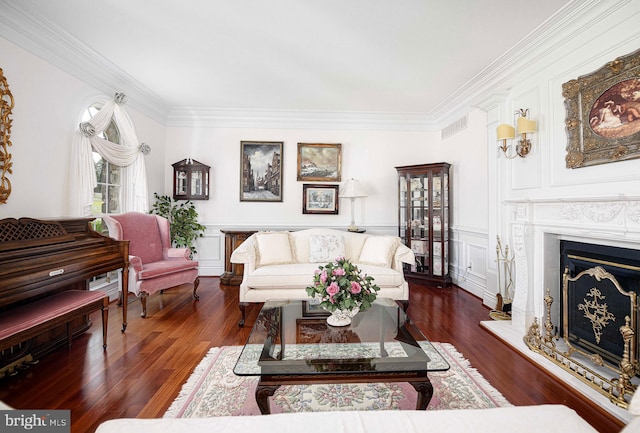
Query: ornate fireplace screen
<point x="6" y="106"/>
<point x="599" y="346"/>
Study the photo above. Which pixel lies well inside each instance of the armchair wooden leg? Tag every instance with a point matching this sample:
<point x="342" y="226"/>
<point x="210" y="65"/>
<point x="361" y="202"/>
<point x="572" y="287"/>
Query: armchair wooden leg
<point x="196" y="283"/>
<point x="143" y="301"/>
<point x="243" y="310"/>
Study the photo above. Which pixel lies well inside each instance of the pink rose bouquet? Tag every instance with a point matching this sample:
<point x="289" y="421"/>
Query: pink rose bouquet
<point x="340" y="285"/>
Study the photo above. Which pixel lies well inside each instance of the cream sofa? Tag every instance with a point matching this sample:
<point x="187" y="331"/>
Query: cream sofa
<point x="279" y="265"/>
<point x="520" y="419"/>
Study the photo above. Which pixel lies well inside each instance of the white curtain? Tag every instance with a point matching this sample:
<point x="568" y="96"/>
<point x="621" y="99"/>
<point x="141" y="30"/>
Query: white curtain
<point x="127" y="154"/>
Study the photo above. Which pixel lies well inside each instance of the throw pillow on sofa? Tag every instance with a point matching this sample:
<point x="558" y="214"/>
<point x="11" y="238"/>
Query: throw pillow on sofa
<point x="325" y="248"/>
<point x="273" y="248"/>
<point x="379" y="251"/>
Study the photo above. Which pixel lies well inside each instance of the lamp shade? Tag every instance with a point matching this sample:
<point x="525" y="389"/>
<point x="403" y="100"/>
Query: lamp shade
<point x="505" y="132"/>
<point x="526" y="126"/>
<point x="352" y="189"/>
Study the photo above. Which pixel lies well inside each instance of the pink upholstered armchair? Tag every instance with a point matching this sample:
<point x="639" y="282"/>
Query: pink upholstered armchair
<point x="153" y="264"/>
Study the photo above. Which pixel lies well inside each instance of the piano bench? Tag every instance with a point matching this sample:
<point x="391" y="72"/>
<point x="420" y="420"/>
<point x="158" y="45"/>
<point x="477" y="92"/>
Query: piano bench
<point x="30" y="320"/>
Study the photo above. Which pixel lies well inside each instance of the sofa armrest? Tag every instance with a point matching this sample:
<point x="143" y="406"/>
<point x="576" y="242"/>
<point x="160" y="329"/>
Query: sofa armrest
<point x="245" y="254"/>
<point x="403" y="255"/>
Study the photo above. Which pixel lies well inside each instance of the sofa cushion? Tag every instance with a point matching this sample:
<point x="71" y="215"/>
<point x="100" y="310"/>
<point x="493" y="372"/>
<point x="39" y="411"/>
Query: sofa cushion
<point x="285" y="276"/>
<point x="300" y="275"/>
<point x="166" y="267"/>
<point x="379" y="250"/>
<point x="273" y="248"/>
<point x="383" y="276"/>
<point x="325" y="248"/>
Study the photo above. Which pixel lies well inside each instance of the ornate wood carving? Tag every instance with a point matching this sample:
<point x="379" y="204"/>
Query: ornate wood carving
<point x="6" y="106"/>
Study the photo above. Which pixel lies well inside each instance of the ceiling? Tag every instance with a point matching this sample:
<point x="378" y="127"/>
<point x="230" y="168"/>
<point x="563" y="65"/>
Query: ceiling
<point x="378" y="56"/>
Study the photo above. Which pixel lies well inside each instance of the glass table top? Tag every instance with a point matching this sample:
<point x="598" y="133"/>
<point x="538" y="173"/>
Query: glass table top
<point x="293" y="338"/>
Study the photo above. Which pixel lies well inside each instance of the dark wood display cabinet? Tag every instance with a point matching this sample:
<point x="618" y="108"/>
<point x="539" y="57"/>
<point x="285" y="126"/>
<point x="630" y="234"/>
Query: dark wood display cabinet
<point x="424" y="215"/>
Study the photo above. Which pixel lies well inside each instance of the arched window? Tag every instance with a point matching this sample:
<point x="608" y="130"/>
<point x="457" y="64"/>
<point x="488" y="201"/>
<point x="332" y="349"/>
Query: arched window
<point x="94" y="136"/>
<point x="107" y="197"/>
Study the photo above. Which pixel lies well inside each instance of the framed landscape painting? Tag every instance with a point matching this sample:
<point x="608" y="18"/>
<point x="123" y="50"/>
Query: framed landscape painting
<point x="319" y="162"/>
<point x="320" y="199"/>
<point x="261" y="171"/>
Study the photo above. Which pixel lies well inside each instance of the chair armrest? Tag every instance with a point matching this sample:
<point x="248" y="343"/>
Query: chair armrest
<point x="135" y="263"/>
<point x="177" y="252"/>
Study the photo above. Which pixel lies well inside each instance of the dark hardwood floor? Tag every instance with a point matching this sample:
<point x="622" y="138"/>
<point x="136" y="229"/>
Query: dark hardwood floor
<point x="142" y="370"/>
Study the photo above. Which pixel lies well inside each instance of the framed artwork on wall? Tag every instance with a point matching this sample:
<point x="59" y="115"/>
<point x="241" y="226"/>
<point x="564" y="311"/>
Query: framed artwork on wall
<point x="320" y="199"/>
<point x="603" y="114"/>
<point x="319" y="162"/>
<point x="261" y="171"/>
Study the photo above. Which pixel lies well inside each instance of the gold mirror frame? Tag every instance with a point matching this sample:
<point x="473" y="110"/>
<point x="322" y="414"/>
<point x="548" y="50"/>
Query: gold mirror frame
<point x="6" y="106"/>
<point x="586" y="100"/>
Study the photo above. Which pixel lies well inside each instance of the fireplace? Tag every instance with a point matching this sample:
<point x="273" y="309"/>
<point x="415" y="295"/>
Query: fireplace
<point x="535" y="228"/>
<point x="595" y="307"/>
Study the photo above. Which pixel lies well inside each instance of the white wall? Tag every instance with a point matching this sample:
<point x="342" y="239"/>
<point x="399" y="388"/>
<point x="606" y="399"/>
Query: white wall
<point x="48" y="104"/>
<point x="369" y="156"/>
<point x="366" y="155"/>
<point x="605" y="32"/>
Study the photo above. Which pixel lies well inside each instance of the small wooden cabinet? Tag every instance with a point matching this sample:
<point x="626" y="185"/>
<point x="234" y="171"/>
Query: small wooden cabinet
<point x="423" y="193"/>
<point x="190" y="180"/>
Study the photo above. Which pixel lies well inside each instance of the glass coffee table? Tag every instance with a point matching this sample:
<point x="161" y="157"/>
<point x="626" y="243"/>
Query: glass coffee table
<point x="291" y="343"/>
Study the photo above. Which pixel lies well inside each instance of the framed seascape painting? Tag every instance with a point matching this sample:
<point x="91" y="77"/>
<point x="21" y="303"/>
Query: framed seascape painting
<point x="319" y="162"/>
<point x="320" y="199"/>
<point x="603" y="114"/>
<point x="261" y="171"/>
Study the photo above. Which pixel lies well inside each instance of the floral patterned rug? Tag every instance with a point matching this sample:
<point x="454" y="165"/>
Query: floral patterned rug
<point x="214" y="390"/>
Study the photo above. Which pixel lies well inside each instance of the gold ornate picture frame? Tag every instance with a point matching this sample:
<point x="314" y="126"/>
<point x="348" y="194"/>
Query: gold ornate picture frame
<point x="319" y="162"/>
<point x="6" y="106"/>
<point x="603" y="114"/>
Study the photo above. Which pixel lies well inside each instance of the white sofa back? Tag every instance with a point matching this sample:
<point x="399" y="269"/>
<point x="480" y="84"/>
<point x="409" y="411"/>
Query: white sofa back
<point x="353" y="243"/>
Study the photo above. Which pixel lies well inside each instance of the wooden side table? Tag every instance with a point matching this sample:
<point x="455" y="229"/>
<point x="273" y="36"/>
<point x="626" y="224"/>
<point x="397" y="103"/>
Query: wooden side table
<point x="232" y="275"/>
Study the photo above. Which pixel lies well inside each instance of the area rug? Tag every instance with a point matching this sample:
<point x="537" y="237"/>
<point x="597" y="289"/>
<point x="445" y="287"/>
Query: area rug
<point x="214" y="390"/>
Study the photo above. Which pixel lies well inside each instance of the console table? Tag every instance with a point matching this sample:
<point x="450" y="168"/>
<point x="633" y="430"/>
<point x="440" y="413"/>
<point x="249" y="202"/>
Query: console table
<point x="232" y="275"/>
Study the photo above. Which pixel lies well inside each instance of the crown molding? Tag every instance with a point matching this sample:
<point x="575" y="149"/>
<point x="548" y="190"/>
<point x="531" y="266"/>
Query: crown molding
<point x="25" y="27"/>
<point x="28" y="29"/>
<point x="299" y="119"/>
<point x="568" y="23"/>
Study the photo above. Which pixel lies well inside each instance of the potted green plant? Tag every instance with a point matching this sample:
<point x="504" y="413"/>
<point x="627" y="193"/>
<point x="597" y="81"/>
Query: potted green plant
<point x="183" y="220"/>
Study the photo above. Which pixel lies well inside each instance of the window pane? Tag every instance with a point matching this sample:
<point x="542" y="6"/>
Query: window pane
<point x="114" y="174"/>
<point x="114" y="199"/>
<point x="101" y="168"/>
<point x="99" y="195"/>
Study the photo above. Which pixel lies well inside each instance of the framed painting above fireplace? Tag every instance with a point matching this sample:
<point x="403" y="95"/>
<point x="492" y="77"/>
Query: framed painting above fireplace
<point x="603" y="114"/>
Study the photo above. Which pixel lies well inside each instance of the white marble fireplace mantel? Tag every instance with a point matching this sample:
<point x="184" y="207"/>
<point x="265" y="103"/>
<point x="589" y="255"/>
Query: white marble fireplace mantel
<point x="537" y="227"/>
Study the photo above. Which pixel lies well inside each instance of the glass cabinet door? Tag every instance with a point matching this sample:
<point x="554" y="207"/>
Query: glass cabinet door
<point x="424" y="219"/>
<point x="403" y="215"/>
<point x="419" y="189"/>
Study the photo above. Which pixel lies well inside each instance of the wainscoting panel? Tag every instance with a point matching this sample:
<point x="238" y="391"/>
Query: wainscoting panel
<point x="211" y="252"/>
<point x="469" y="259"/>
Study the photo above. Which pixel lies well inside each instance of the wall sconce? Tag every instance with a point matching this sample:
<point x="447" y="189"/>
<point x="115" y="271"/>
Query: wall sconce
<point x="352" y="189"/>
<point x="506" y="132"/>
